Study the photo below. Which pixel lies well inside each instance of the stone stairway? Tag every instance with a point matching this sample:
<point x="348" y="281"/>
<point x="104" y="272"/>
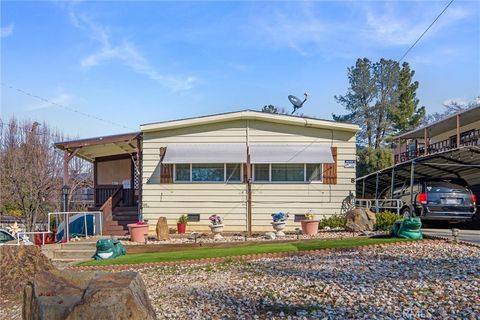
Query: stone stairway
<point x="66" y="254"/>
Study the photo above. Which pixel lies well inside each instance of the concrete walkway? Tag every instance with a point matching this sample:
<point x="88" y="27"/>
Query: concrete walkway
<point x="472" y="236"/>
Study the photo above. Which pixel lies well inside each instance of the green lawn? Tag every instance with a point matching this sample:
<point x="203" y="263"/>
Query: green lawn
<point x="239" y="250"/>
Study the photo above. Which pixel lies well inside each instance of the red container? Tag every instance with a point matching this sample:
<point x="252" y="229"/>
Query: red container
<point x="181" y="227"/>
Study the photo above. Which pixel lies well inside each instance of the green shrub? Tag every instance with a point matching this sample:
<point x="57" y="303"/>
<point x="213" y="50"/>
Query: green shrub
<point x="386" y="220"/>
<point x="334" y="221"/>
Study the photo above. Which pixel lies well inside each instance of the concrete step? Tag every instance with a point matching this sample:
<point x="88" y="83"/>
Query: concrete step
<point x="73" y="254"/>
<point x="79" y="246"/>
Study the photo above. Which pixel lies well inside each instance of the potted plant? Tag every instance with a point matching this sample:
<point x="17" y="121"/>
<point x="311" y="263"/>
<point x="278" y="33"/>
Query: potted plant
<point x="309" y="225"/>
<point x="138" y="231"/>
<point x="216" y="226"/>
<point x="182" y="224"/>
<point x="279" y="222"/>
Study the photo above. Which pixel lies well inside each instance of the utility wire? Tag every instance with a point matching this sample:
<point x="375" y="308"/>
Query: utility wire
<point x="65" y="107"/>
<point x="426" y="30"/>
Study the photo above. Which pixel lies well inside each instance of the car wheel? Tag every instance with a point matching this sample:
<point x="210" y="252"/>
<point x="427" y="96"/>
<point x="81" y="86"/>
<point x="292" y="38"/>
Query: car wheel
<point x="406" y="212"/>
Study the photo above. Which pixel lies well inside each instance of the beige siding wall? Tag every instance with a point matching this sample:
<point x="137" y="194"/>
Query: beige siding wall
<point x="229" y="200"/>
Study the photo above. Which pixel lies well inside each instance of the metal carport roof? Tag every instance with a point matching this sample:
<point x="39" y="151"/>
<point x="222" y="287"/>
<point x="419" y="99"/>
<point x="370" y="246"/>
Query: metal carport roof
<point x="463" y="162"/>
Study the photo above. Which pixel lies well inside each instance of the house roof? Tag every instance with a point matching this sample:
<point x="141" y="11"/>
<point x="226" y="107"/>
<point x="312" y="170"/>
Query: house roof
<point x="96" y="147"/>
<point x="450" y="123"/>
<point x="250" y="115"/>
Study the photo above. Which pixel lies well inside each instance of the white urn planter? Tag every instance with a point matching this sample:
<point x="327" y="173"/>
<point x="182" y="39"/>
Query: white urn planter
<point x="217" y="230"/>
<point x="278" y="227"/>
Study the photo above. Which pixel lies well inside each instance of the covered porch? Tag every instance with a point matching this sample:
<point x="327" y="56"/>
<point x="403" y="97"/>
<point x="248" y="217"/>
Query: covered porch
<point x="117" y="176"/>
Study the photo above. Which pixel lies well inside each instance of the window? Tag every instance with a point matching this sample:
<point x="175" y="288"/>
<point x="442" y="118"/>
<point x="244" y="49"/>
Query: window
<point x="233" y="172"/>
<point x="262" y="172"/>
<point x="182" y="172"/>
<point x="209" y="172"/>
<point x="298" y="217"/>
<point x="314" y="171"/>
<point x="288" y="172"/>
<point x="193" y="217"/>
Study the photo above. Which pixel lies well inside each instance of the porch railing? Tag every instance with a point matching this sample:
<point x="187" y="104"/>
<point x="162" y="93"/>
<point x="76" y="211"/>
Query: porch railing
<point x="104" y="192"/>
<point x="470" y="138"/>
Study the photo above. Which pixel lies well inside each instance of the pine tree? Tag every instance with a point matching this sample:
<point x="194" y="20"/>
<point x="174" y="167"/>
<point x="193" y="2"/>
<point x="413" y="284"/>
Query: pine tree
<point x="407" y="116"/>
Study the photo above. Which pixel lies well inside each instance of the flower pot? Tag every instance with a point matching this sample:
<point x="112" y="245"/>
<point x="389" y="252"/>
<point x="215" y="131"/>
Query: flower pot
<point x="217" y="230"/>
<point x="310" y="227"/>
<point x="137" y="232"/>
<point x="278" y="226"/>
<point x="181" y="227"/>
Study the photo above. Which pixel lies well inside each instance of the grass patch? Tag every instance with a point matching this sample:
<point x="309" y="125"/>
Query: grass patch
<point x="240" y="250"/>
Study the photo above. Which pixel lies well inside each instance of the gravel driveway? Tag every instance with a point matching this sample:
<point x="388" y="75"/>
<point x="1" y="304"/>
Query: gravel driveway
<point x="419" y="281"/>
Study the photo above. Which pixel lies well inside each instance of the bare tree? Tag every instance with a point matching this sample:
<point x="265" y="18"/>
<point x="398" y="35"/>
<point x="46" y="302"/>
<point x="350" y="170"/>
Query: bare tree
<point x="31" y="169"/>
<point x="81" y="178"/>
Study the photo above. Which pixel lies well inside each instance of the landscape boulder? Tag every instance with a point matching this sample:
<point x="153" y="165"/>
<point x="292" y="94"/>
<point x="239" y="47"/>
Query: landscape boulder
<point x="162" y="229"/>
<point x="56" y="295"/>
<point x="360" y="219"/>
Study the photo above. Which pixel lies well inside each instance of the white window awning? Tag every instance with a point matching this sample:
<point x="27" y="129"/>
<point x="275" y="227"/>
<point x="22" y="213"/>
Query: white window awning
<point x="291" y="153"/>
<point x="205" y="153"/>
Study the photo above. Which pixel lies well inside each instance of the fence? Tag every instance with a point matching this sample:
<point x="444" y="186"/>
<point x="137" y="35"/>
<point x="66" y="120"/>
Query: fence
<point x="377" y="205"/>
<point x="66" y="218"/>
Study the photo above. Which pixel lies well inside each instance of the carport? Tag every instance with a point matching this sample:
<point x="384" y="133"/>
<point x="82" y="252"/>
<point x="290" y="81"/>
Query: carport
<point x="462" y="162"/>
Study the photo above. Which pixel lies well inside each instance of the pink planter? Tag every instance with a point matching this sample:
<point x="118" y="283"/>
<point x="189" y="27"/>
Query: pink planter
<point x="137" y="232"/>
<point x="310" y="227"/>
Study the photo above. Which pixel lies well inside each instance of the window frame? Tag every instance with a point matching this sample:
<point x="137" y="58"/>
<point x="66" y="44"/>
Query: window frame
<point x="224" y="174"/>
<point x="290" y="182"/>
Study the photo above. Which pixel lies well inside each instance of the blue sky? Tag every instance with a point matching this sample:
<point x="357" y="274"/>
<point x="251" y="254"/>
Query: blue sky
<point x="139" y="62"/>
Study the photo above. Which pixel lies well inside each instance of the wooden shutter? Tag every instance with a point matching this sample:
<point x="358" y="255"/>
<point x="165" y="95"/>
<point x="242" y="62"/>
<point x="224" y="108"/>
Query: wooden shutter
<point x="245" y="172"/>
<point x="166" y="170"/>
<point x="330" y="169"/>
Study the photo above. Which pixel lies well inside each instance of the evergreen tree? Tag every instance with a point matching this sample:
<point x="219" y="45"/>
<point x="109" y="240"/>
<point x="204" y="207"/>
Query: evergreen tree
<point x="407" y="116"/>
<point x="359" y="98"/>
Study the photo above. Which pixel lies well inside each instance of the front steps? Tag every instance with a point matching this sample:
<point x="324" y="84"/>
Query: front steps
<point x="67" y="254"/>
<point x="120" y="218"/>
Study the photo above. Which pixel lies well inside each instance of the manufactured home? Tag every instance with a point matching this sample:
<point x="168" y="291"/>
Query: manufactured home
<point x="243" y="166"/>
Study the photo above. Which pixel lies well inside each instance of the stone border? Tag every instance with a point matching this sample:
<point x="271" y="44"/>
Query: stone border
<point x="138" y="266"/>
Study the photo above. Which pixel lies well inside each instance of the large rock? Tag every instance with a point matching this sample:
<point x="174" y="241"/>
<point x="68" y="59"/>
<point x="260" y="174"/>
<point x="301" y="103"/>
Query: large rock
<point x="18" y="266"/>
<point x="360" y="219"/>
<point x="162" y="229"/>
<point x="81" y="295"/>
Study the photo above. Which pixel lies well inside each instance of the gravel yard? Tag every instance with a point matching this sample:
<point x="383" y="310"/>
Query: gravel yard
<point x="437" y="280"/>
<point x="415" y="281"/>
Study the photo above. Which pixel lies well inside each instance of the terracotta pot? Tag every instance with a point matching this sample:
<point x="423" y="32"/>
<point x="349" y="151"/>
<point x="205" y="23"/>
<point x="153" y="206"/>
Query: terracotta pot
<point x="181" y="227"/>
<point x="310" y="227"/>
<point x="138" y="232"/>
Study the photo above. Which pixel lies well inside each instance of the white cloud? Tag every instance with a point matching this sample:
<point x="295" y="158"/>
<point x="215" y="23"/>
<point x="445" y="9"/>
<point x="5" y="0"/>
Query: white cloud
<point x="296" y="29"/>
<point x="392" y="27"/>
<point x="6" y="31"/>
<point x="125" y="52"/>
<point x="61" y="99"/>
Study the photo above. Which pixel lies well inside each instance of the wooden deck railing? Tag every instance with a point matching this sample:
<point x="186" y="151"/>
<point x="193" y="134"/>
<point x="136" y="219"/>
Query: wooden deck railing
<point x="470" y="138"/>
<point x="109" y="205"/>
<point x="103" y="192"/>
